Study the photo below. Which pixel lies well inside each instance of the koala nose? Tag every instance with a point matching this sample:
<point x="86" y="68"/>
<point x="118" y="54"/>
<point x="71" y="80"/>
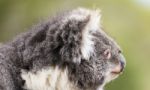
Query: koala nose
<point x="122" y="63"/>
<point x="120" y="67"/>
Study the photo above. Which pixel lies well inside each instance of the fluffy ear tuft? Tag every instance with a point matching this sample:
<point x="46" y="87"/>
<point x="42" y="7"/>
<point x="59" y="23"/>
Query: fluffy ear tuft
<point x="87" y="47"/>
<point x="72" y="39"/>
<point x="76" y="34"/>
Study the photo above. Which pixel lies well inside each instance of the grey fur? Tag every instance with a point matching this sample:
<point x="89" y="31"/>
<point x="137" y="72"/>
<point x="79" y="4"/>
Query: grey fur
<point x="55" y="43"/>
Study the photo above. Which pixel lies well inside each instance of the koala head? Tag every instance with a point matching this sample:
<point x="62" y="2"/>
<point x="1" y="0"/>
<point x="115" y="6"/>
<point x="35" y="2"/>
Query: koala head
<point x="91" y="56"/>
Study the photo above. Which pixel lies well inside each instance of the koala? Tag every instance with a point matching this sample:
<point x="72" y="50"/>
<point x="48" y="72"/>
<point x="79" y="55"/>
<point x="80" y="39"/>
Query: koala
<point x="69" y="51"/>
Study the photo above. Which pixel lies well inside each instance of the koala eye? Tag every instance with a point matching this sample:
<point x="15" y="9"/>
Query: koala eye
<point x="107" y="54"/>
<point x="119" y="51"/>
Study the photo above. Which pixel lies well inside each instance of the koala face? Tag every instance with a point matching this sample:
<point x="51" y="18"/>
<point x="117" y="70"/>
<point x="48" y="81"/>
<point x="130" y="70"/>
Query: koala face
<point x="104" y="64"/>
<point x="107" y="58"/>
<point x="93" y="57"/>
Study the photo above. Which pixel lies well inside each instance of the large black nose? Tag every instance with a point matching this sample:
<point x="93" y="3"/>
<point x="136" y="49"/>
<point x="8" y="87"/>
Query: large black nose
<point x="122" y="66"/>
<point x="122" y="62"/>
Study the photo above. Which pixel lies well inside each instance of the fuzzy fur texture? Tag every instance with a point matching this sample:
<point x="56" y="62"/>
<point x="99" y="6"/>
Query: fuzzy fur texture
<point x="67" y="52"/>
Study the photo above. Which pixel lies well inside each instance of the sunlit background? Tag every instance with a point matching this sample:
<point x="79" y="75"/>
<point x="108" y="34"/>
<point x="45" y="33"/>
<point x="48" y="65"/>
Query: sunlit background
<point x="127" y="21"/>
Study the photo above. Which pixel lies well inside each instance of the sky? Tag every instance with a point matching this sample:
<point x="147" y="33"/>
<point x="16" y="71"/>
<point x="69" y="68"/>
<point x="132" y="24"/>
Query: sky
<point x="144" y="3"/>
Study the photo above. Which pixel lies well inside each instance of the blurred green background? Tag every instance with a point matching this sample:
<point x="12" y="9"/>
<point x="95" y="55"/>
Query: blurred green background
<point x="127" y="21"/>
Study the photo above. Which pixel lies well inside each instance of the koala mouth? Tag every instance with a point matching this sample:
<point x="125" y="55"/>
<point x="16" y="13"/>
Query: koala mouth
<point x="116" y="72"/>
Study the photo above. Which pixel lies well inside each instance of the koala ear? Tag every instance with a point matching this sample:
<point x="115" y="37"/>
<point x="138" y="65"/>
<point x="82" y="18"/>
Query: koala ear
<point x="76" y="35"/>
<point x="93" y="26"/>
<point x="72" y="39"/>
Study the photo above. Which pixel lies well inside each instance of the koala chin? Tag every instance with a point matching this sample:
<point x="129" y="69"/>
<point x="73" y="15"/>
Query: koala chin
<point x="69" y="51"/>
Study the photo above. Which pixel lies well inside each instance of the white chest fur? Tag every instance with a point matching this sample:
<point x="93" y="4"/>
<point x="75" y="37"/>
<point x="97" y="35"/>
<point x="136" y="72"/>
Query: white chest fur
<point x="47" y="79"/>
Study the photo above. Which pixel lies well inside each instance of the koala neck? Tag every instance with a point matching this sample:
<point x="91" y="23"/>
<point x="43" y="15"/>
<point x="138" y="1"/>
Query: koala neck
<point x="48" y="79"/>
<point x="51" y="78"/>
